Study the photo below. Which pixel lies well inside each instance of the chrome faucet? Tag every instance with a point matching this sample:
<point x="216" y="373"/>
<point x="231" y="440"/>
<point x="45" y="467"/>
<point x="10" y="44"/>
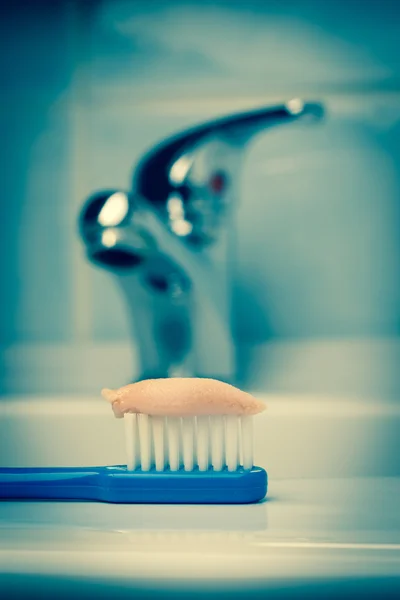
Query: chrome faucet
<point x="170" y="243"/>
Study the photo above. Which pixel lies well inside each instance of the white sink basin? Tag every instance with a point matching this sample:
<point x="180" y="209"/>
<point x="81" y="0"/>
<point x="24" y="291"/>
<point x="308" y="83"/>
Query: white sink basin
<point x="331" y="517"/>
<point x="298" y="436"/>
<point x="307" y="530"/>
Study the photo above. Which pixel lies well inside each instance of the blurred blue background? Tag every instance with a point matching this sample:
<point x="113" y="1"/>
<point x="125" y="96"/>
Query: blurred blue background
<point x="88" y="86"/>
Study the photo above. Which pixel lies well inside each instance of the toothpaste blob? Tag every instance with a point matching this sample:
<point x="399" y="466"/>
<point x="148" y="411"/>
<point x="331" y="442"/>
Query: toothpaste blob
<point x="183" y="397"/>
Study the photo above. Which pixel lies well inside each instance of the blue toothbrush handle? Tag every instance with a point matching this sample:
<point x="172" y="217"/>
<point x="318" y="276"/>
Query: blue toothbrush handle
<point x="52" y="483"/>
<point x="118" y="485"/>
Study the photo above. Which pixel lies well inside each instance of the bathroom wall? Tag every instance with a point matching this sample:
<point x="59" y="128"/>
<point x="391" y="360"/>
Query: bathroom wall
<point x="88" y="86"/>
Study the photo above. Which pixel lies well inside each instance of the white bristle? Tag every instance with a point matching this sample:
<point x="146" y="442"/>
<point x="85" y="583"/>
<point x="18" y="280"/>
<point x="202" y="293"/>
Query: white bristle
<point x="247" y="441"/>
<point x="158" y="442"/>
<point x="174" y="434"/>
<point x="217" y="443"/>
<point x="232" y="443"/>
<point x="188" y="449"/>
<point x="201" y="442"/>
<point x="203" y="426"/>
<point x="131" y="442"/>
<point x="145" y="442"/>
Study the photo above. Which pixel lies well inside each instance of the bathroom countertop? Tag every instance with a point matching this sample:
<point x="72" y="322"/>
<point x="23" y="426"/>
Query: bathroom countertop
<point x="310" y="530"/>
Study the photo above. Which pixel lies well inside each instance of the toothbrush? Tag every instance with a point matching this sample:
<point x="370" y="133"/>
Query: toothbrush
<point x="187" y="441"/>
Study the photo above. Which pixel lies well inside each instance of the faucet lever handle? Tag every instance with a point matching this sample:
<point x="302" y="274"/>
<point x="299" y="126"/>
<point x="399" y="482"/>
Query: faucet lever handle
<point x="191" y="178"/>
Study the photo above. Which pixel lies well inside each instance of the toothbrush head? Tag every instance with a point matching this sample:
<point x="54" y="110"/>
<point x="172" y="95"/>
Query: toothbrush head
<point x="186" y="424"/>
